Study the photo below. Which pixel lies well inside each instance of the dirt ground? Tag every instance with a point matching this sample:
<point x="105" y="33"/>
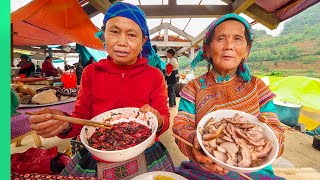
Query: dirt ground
<point x="298" y="150"/>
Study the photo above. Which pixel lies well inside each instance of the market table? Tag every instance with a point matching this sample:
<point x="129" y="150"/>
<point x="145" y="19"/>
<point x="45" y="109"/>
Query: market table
<point x="36" y="81"/>
<point x="20" y="126"/>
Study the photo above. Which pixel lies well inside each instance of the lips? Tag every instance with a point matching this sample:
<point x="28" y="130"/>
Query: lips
<point x="121" y="53"/>
<point x="228" y="57"/>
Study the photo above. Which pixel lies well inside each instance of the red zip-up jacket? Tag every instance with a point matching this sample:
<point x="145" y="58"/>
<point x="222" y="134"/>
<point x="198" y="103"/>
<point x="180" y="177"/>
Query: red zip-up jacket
<point x="105" y="86"/>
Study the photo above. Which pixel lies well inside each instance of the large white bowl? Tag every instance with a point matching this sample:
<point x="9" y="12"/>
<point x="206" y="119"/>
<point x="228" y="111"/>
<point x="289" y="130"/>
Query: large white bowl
<point x="267" y="131"/>
<point x="124" y="154"/>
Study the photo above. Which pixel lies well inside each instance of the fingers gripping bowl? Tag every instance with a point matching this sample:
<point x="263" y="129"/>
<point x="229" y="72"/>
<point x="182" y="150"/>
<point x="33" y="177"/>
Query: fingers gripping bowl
<point x="237" y="141"/>
<point x="118" y="116"/>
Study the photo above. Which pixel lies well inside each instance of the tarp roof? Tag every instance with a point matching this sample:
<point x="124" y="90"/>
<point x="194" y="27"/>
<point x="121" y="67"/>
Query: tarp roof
<point x="45" y="22"/>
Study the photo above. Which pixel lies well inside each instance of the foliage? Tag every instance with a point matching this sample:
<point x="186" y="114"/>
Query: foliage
<point x="298" y="42"/>
<point x="303" y="21"/>
<point x="276" y="73"/>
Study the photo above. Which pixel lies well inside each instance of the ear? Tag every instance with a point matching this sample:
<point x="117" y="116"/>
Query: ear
<point x="207" y="52"/>
<point x="144" y="39"/>
<point x="247" y="52"/>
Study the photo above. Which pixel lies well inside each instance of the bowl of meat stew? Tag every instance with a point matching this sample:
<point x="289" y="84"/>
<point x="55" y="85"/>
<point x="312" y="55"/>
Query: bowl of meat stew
<point x="237" y="141"/>
<point x="131" y="134"/>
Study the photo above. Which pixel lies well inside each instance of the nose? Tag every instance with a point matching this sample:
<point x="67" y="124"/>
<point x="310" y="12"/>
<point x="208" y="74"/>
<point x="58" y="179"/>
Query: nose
<point x="122" y="40"/>
<point x="229" y="44"/>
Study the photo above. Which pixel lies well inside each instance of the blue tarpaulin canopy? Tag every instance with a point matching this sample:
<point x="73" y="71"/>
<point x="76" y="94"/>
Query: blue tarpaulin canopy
<point x="86" y="52"/>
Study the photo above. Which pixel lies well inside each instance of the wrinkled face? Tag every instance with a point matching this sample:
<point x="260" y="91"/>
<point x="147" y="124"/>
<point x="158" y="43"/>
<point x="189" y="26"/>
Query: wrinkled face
<point x="228" y="46"/>
<point x="124" y="40"/>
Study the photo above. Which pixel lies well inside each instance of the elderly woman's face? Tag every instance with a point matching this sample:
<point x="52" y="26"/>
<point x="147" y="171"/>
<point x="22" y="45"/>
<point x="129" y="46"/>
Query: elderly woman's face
<point x="228" y="46"/>
<point x="123" y="40"/>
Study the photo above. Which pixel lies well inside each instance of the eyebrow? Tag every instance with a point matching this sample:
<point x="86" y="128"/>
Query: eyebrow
<point x="235" y="35"/>
<point x="117" y="27"/>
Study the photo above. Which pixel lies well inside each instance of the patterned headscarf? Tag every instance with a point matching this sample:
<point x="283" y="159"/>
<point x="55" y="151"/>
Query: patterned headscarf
<point x="137" y="15"/>
<point x="243" y="69"/>
<point x="24" y="56"/>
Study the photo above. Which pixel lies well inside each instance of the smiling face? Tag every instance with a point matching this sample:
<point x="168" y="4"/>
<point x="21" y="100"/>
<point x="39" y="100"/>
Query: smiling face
<point x="124" y="40"/>
<point x="228" y="46"/>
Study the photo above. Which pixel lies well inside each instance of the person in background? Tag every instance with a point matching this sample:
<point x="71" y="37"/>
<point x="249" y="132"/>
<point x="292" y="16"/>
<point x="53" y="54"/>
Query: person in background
<point x="161" y="65"/>
<point x="90" y="61"/>
<point x="38" y="69"/>
<point x="134" y="83"/>
<point x="79" y="70"/>
<point x="26" y="65"/>
<point x="171" y="76"/>
<point x="228" y="85"/>
<point x="48" y="69"/>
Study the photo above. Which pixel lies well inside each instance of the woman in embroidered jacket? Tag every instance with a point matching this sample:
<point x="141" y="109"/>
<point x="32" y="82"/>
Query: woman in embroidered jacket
<point x="124" y="79"/>
<point x="228" y="85"/>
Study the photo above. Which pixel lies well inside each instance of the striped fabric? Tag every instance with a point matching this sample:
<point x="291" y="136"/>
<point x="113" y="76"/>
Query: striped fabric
<point x="204" y="95"/>
<point x="83" y="165"/>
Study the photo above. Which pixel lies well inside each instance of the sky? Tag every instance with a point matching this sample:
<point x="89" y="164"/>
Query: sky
<point x="195" y="26"/>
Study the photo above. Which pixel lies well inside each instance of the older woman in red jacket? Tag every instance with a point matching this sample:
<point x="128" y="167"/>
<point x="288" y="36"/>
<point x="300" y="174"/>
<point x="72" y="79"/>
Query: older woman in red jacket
<point x="124" y="79"/>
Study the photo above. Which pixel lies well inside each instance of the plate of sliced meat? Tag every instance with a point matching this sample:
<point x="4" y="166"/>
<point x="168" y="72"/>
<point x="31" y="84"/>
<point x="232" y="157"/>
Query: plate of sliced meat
<point x="237" y="141"/>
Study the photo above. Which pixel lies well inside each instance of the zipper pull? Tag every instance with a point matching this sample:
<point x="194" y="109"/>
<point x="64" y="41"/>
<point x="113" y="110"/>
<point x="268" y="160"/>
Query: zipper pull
<point x="122" y="75"/>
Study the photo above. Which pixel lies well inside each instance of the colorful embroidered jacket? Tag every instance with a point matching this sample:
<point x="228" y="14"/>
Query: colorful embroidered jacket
<point x="206" y="94"/>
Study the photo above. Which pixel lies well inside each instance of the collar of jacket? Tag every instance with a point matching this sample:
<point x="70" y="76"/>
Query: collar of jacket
<point x="109" y="66"/>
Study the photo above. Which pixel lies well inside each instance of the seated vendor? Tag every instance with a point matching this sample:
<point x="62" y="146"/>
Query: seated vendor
<point x="48" y="68"/>
<point x="26" y="65"/>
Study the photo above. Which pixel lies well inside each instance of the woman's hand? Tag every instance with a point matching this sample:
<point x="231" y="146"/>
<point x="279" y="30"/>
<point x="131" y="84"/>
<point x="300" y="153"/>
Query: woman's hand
<point x="43" y="124"/>
<point x="263" y="118"/>
<point x="145" y="108"/>
<point x="205" y="162"/>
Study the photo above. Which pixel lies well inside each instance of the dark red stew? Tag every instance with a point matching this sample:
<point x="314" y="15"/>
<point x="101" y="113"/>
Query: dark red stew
<point x="122" y="136"/>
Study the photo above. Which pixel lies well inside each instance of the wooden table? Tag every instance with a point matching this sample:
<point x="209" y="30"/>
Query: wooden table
<point x="20" y="126"/>
<point x="36" y="81"/>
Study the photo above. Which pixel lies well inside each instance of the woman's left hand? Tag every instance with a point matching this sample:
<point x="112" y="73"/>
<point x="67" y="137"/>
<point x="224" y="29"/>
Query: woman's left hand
<point x="205" y="162"/>
<point x="263" y="118"/>
<point x="145" y="108"/>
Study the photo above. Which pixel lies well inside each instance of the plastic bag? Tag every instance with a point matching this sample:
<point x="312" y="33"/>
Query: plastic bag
<point x="41" y="161"/>
<point x="69" y="79"/>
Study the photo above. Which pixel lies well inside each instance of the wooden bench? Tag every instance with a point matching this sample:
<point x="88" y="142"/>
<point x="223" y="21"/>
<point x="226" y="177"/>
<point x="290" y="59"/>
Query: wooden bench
<point x="297" y="173"/>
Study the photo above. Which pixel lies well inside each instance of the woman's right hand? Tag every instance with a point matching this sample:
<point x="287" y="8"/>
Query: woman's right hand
<point x="43" y="124"/>
<point x="205" y="162"/>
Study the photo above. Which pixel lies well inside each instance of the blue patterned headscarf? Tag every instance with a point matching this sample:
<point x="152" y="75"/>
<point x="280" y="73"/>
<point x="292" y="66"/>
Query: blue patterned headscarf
<point x="243" y="69"/>
<point x="137" y="15"/>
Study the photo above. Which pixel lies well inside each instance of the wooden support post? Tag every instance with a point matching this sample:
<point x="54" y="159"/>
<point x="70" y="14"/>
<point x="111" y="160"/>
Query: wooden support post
<point x="12" y="45"/>
<point x="191" y="53"/>
<point x="50" y="52"/>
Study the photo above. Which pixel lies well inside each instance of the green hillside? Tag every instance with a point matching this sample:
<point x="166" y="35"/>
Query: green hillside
<point x="296" y="51"/>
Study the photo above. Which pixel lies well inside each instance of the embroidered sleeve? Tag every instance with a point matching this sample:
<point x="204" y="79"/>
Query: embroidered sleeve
<point x="184" y="125"/>
<point x="268" y="111"/>
<point x="188" y="91"/>
<point x="264" y="93"/>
